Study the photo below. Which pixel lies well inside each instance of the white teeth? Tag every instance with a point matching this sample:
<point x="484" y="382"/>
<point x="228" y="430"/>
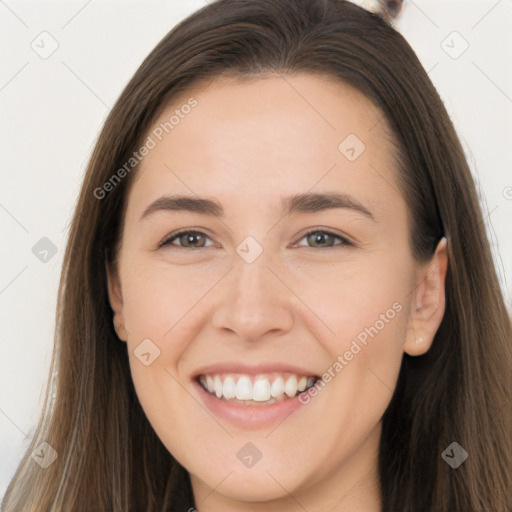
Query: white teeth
<point x="209" y="383"/>
<point x="217" y="384"/>
<point x="290" y="386"/>
<point x="229" y="388"/>
<point x="277" y="388"/>
<point x="264" y="389"/>
<point x="244" y="388"/>
<point x="261" y="390"/>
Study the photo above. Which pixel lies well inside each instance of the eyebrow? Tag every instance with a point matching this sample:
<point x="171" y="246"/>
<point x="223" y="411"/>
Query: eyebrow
<point x="297" y="203"/>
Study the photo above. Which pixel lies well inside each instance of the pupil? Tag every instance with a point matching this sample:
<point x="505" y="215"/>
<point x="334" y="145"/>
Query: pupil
<point x="319" y="237"/>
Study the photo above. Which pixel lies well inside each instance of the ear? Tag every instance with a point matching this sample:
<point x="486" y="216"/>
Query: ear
<point x="428" y="303"/>
<point x="116" y="300"/>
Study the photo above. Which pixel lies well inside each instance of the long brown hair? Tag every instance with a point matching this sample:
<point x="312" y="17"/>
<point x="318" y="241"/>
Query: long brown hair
<point x="109" y="457"/>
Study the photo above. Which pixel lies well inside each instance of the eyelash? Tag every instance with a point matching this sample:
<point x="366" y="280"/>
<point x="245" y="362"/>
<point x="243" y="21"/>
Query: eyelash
<point x="173" y="236"/>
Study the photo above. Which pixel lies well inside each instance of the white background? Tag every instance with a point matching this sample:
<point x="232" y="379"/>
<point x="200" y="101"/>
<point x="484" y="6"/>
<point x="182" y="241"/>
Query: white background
<point x="52" y="110"/>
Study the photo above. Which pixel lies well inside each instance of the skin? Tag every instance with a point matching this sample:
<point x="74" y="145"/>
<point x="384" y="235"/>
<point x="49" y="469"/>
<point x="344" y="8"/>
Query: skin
<point x="247" y="144"/>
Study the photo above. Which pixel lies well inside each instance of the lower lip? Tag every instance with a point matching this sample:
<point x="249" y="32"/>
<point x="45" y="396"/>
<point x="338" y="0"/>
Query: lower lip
<point x="248" y="416"/>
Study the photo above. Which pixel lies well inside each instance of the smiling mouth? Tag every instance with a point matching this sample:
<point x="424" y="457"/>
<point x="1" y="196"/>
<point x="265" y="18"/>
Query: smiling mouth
<point x="263" y="389"/>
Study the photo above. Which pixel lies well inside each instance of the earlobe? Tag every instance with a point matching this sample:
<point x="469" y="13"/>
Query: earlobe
<point x="116" y="300"/>
<point x="428" y="303"/>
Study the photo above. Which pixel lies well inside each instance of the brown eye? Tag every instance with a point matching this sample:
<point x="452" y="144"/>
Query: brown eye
<point x="324" y="239"/>
<point x="187" y="239"/>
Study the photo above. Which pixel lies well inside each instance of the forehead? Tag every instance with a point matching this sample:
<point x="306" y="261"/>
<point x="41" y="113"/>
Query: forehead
<point x="266" y="137"/>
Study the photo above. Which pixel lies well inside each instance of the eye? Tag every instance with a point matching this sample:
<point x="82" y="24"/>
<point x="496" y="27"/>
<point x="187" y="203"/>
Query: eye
<point x="322" y="237"/>
<point x="186" y="238"/>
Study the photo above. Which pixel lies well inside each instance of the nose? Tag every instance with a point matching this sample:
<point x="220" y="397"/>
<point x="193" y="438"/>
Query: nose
<point x="254" y="301"/>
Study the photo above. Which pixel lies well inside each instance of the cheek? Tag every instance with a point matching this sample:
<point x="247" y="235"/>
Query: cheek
<point x="155" y="309"/>
<point x="369" y="318"/>
<point x="152" y="305"/>
<point x="163" y="314"/>
<point x="364" y="305"/>
<point x="157" y="297"/>
<point x="361" y="299"/>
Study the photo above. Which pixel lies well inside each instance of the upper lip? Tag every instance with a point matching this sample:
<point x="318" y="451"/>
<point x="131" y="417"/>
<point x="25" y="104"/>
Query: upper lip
<point x="252" y="369"/>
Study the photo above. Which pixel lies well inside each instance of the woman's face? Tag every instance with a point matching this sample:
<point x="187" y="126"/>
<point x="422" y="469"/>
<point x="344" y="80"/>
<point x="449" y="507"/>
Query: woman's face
<point x="253" y="305"/>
